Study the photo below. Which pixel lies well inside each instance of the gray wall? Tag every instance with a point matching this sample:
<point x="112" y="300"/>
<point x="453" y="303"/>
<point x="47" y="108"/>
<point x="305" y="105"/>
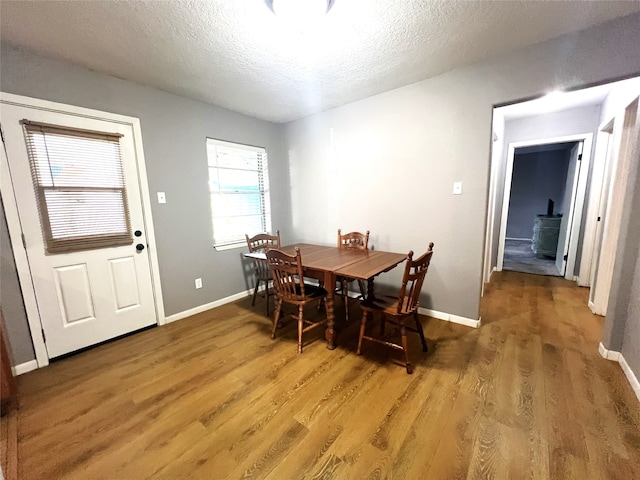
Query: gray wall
<point x="388" y="163"/>
<point x="174" y="130"/>
<point x="559" y="124"/>
<point x="11" y="300"/>
<point x="630" y="344"/>
<point x="537" y="177"/>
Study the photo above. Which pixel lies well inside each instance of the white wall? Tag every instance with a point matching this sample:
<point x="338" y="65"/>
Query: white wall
<point x="388" y="163"/>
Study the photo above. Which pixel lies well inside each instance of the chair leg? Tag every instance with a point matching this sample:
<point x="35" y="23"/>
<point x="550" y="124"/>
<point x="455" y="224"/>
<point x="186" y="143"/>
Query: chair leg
<point x="363" y="325"/>
<point x="276" y="317"/>
<point x="255" y="292"/>
<point x="420" y="332"/>
<point x="383" y="324"/>
<point x="321" y="302"/>
<point x="345" y="293"/>
<point x="403" y="332"/>
<point x="300" y="327"/>
<point x="266" y="293"/>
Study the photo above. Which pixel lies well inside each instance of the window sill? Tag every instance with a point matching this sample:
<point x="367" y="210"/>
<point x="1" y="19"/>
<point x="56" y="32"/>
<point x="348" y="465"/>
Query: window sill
<point x="230" y="246"/>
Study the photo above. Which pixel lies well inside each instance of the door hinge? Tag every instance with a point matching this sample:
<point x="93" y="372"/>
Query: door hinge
<point x="598" y="218"/>
<point x="24" y="241"/>
<point x="44" y="338"/>
<point x="579" y="157"/>
<point x="1" y="133"/>
<point x="566" y="257"/>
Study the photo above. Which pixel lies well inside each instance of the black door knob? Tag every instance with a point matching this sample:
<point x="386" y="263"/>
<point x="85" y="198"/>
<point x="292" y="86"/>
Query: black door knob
<point x="139" y="247"/>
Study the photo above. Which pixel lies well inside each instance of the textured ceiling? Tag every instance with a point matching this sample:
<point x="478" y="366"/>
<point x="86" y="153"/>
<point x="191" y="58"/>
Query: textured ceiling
<point x="238" y="54"/>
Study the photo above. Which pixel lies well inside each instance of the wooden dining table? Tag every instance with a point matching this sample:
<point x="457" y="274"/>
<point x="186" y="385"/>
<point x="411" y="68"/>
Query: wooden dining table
<point x="327" y="263"/>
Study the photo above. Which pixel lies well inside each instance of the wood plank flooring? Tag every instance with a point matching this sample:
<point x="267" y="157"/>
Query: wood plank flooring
<point x="526" y="396"/>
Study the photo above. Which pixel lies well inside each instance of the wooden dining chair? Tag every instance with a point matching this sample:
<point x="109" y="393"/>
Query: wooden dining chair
<point x="358" y="241"/>
<point x="260" y="244"/>
<point x="288" y="280"/>
<point x="396" y="310"/>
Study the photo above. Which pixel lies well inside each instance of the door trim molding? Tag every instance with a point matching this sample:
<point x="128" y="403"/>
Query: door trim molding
<point x="596" y="184"/>
<point x="15" y="228"/>
<point x="623" y="161"/>
<point x="582" y="173"/>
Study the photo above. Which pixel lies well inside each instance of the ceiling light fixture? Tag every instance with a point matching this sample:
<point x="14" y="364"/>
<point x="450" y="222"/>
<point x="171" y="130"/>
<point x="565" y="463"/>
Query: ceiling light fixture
<point x="300" y="12"/>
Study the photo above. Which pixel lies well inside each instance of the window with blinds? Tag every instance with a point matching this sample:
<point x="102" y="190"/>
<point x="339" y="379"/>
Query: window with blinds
<point x="79" y="186"/>
<point x="239" y="186"/>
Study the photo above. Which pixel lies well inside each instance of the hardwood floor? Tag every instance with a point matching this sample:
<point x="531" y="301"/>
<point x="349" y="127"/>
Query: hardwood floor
<point x="525" y="396"/>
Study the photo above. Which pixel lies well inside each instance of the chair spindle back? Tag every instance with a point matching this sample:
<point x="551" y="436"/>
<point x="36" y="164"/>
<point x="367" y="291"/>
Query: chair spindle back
<point x="355" y="240"/>
<point x="261" y="243"/>
<point x="286" y="271"/>
<point x="412" y="280"/>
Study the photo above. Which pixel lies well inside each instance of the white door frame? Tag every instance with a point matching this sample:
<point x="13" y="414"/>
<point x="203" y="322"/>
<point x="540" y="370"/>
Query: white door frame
<point x="497" y="146"/>
<point x="604" y="142"/>
<point x="624" y="138"/>
<point x="583" y="173"/>
<point x="14" y="222"/>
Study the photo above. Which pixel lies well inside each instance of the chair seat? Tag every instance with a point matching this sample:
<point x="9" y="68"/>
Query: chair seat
<point x="386" y="304"/>
<point x="311" y="291"/>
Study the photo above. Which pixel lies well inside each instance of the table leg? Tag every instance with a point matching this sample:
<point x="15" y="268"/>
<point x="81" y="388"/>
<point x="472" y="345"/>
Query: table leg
<point x="329" y="334"/>
<point x="370" y="291"/>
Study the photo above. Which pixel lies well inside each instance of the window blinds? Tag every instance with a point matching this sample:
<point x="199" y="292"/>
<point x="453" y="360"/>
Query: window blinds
<point x="239" y="186"/>
<point x="79" y="185"/>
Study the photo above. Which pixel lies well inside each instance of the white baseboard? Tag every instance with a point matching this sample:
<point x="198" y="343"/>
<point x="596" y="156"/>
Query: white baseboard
<point x="633" y="380"/>
<point x="494" y="269"/>
<point x="449" y="317"/>
<point x="608" y="354"/>
<point x="208" y="306"/>
<point x="583" y="282"/>
<point x="25" y="367"/>
<point x="618" y="357"/>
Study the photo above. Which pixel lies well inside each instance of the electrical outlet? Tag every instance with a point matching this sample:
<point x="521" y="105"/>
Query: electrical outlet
<point x="198" y="283"/>
<point x="162" y="198"/>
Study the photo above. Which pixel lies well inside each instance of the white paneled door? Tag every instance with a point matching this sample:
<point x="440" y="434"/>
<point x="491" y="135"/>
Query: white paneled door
<point x="76" y="187"/>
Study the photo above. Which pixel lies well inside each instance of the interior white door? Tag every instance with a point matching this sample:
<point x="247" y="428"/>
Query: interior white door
<point x="567" y="208"/>
<point x="601" y="212"/>
<point x="88" y="296"/>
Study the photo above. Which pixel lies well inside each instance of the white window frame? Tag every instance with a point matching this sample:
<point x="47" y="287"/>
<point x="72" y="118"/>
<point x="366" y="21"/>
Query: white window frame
<point x="264" y="193"/>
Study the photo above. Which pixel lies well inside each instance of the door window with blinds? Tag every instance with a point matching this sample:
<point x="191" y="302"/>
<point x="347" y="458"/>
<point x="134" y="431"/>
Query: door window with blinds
<point x="239" y="186"/>
<point x="79" y="186"/>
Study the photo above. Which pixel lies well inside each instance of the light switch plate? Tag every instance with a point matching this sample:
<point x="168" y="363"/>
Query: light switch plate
<point x="457" y="188"/>
<point x="198" y="283"/>
<point x="162" y="198"/>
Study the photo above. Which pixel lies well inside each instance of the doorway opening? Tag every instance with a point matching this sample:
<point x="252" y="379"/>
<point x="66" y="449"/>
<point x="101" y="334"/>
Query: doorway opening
<point x="543" y="191"/>
<point x="553" y="222"/>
